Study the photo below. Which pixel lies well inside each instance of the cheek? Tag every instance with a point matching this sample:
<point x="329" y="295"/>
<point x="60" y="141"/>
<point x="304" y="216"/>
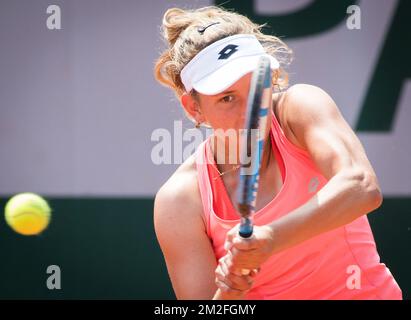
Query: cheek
<point x="225" y="117"/>
<point x="241" y="113"/>
<point x="234" y="116"/>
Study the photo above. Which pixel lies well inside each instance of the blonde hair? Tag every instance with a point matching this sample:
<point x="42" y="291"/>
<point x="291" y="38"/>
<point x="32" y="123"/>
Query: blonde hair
<point x="181" y="32"/>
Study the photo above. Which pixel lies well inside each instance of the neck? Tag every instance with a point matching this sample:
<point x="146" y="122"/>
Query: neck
<point x="231" y="160"/>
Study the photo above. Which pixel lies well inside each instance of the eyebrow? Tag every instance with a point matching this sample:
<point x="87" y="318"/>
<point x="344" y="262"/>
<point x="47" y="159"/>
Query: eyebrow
<point x="226" y="92"/>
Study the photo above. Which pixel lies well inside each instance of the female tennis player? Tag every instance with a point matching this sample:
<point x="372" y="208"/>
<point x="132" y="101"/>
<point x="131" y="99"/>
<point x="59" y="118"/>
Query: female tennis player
<point x="311" y="239"/>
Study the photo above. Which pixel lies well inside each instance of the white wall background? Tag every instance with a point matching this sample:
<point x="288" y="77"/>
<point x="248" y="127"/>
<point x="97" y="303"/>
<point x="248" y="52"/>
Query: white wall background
<point x="78" y="105"/>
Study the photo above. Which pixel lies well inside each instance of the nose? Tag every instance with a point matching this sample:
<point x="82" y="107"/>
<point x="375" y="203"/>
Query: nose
<point x="243" y="113"/>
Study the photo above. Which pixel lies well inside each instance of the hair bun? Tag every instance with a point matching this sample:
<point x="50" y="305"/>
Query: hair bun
<point x="175" y="21"/>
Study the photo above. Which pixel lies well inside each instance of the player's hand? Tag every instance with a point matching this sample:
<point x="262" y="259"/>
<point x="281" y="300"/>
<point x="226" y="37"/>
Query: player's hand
<point x="232" y="283"/>
<point x="249" y="253"/>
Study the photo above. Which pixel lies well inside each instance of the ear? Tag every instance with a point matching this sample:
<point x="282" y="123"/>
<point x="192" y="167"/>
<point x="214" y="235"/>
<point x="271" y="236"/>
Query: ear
<point x="191" y="106"/>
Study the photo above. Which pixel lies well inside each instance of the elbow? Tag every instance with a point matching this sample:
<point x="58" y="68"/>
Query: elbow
<point x="375" y="198"/>
<point x="371" y="190"/>
<point x="367" y="186"/>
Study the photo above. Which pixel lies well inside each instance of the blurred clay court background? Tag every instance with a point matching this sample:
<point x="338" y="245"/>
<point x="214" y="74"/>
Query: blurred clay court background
<point x="78" y="107"/>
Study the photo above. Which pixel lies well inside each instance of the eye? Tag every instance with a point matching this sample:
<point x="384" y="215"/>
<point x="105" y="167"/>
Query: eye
<point x="228" y="98"/>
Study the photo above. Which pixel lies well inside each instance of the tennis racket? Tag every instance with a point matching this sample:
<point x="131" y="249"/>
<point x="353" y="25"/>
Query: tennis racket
<point x="252" y="144"/>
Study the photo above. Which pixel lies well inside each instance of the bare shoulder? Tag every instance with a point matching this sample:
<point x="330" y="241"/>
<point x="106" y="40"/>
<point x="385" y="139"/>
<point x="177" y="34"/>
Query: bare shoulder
<point x="303" y="105"/>
<point x="303" y="89"/>
<point x="178" y="200"/>
<point x="306" y="101"/>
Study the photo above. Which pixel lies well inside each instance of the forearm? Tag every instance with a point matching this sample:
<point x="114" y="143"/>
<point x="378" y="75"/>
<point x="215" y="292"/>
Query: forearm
<point x="343" y="199"/>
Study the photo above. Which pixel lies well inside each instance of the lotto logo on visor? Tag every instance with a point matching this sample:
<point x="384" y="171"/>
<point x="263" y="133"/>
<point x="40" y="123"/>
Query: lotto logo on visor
<point x="227" y="51"/>
<point x="221" y="64"/>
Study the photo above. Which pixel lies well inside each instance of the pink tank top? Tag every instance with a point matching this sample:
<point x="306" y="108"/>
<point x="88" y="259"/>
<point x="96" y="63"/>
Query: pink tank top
<point x="320" y="268"/>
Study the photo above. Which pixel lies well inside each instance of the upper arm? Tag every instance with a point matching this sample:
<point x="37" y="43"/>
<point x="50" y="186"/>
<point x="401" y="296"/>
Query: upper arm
<point x="319" y="128"/>
<point x="186" y="247"/>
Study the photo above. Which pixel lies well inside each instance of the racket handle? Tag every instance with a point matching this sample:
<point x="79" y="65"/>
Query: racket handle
<point x="245" y="231"/>
<point x="246" y="228"/>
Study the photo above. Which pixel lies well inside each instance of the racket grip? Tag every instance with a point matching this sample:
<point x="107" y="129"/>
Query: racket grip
<point x="246" y="228"/>
<point x="245" y="231"/>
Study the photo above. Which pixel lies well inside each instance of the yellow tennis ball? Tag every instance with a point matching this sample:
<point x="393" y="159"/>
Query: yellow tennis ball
<point x="27" y="213"/>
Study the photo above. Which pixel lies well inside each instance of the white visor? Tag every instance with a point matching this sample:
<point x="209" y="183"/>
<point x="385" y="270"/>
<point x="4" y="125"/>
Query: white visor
<point x="218" y="66"/>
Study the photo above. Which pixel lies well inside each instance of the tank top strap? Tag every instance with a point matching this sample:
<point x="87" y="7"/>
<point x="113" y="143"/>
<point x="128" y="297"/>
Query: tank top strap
<point x="283" y="143"/>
